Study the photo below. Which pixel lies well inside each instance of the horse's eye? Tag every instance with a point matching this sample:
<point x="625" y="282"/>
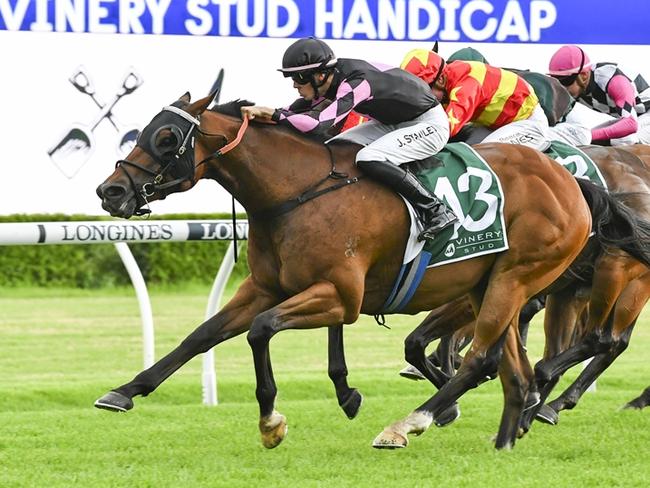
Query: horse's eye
<point x="167" y="141"/>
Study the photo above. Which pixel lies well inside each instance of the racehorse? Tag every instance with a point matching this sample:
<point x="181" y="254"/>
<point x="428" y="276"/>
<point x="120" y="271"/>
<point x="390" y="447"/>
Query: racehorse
<point x="616" y="292"/>
<point x="320" y="259"/>
<point x="627" y="171"/>
<point x="643" y="152"/>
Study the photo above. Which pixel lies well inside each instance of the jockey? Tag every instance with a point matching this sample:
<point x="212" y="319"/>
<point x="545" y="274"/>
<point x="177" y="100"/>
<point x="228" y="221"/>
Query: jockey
<point x="407" y="122"/>
<point x="501" y="104"/>
<point x="555" y="99"/>
<point x="606" y="89"/>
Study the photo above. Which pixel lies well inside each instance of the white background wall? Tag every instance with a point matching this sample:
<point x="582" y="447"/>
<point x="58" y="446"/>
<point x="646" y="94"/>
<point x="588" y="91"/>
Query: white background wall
<point x="39" y="104"/>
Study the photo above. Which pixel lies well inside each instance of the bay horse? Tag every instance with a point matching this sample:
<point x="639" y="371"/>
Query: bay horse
<point x="627" y="171"/>
<point x="324" y="262"/>
<point x="609" y="299"/>
<point x="616" y="294"/>
<point x="643" y="152"/>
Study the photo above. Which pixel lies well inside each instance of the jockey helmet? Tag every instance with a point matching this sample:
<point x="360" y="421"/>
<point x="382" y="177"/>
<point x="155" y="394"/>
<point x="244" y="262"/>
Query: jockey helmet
<point x="467" y="54"/>
<point x="567" y="63"/>
<point x="306" y="57"/>
<point x="424" y="64"/>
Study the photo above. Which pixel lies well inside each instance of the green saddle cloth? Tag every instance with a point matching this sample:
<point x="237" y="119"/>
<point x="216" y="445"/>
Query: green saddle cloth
<point x="576" y="161"/>
<point x="463" y="179"/>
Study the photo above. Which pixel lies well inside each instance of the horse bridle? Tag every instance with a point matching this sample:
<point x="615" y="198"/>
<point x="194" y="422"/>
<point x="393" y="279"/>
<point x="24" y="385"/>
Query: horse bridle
<point x="178" y="157"/>
<point x="180" y="154"/>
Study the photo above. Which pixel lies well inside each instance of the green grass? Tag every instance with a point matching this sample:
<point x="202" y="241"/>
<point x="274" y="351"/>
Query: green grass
<point x="61" y="349"/>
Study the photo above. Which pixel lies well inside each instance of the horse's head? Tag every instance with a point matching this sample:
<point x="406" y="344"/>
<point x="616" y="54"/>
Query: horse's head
<point x="163" y="161"/>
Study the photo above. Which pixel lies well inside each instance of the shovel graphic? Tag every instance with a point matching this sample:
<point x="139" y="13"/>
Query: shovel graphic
<point x="78" y="143"/>
<point x="127" y="134"/>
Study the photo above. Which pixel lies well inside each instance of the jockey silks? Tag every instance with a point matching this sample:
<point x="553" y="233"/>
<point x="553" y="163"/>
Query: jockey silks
<point x="489" y="96"/>
<point x="386" y="94"/>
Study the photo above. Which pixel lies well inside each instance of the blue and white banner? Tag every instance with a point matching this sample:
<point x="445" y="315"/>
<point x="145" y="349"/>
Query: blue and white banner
<point x="511" y="21"/>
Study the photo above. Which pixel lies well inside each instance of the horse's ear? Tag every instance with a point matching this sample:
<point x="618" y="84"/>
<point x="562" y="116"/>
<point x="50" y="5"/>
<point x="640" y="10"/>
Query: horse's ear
<point x="215" y="91"/>
<point x="199" y="106"/>
<point x="186" y="97"/>
<point x="435" y="47"/>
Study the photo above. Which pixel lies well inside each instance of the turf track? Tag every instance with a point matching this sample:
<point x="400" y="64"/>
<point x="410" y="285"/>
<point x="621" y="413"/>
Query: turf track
<point x="59" y="350"/>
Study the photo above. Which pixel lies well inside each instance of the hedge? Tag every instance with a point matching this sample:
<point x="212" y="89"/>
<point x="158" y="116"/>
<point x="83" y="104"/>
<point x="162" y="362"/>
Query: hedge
<point x="99" y="265"/>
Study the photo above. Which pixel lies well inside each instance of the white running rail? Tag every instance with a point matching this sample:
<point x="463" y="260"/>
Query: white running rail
<point x="120" y="233"/>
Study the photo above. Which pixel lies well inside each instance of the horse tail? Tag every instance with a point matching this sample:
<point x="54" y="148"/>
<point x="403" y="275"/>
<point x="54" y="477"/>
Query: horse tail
<point x="615" y="224"/>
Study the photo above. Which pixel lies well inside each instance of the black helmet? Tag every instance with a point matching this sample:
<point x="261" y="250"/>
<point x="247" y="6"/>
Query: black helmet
<point x="307" y="56"/>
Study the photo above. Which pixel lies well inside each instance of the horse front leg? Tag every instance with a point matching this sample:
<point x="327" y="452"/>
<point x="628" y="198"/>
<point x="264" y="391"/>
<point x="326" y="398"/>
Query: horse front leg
<point x="613" y="274"/>
<point x="562" y="311"/>
<point x="439" y="323"/>
<point x="626" y="312"/>
<point x="570" y="397"/>
<point x="235" y="318"/>
<point x="349" y="398"/>
<point x="319" y="304"/>
<point x="432" y="328"/>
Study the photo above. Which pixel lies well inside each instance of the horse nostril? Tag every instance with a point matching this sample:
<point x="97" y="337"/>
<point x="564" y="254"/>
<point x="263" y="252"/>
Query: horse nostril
<point x="113" y="191"/>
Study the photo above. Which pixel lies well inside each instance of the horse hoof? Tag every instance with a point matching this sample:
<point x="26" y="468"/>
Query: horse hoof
<point x="114" y="402"/>
<point x="532" y="400"/>
<point x="390" y="440"/>
<point x="352" y="405"/>
<point x="547" y="415"/>
<point x="504" y="446"/>
<point x="521" y="433"/>
<point x="448" y="416"/>
<point x="412" y="373"/>
<point x="273" y="430"/>
<point x="633" y="405"/>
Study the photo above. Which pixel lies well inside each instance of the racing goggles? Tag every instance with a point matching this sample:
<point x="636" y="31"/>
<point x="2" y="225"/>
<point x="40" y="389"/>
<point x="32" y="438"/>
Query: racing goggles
<point x="568" y="80"/>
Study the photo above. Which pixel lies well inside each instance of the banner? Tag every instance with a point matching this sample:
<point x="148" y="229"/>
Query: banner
<point x="535" y="21"/>
<point x="82" y="77"/>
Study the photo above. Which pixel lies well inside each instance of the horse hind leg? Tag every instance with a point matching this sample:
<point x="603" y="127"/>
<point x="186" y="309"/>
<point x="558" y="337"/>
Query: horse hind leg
<point x="562" y="311"/>
<point x="479" y="364"/>
<point x="516" y="375"/>
<point x="613" y="274"/>
<point x="513" y="279"/>
<point x="476" y="369"/>
<point x="626" y="312"/>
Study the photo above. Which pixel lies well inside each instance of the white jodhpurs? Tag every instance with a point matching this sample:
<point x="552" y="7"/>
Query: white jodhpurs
<point x="532" y="132"/>
<point x="575" y="130"/>
<point x="401" y="143"/>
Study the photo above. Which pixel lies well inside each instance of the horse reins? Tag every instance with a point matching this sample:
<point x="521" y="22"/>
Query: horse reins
<point x="156" y="185"/>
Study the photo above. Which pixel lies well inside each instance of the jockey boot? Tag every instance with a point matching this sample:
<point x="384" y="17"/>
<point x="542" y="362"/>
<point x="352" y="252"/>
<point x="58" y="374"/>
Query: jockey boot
<point x="434" y="215"/>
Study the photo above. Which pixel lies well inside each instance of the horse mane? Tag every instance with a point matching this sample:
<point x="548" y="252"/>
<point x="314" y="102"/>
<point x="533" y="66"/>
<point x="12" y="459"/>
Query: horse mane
<point x="233" y="109"/>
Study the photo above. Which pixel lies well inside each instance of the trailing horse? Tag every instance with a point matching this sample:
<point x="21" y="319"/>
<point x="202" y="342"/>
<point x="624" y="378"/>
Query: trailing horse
<point x="323" y="260"/>
<point x="608" y="293"/>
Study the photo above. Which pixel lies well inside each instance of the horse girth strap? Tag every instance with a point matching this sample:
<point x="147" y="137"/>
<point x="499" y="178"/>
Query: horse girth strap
<point x="288" y="206"/>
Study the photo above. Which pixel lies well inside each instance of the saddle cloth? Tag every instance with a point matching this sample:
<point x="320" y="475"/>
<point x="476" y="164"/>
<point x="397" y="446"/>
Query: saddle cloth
<point x="576" y="162"/>
<point x="463" y="179"/>
<point x="466" y="183"/>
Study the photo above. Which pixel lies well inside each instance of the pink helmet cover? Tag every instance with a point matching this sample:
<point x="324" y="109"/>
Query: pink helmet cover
<point x="567" y="61"/>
